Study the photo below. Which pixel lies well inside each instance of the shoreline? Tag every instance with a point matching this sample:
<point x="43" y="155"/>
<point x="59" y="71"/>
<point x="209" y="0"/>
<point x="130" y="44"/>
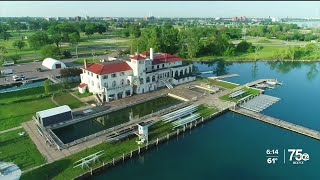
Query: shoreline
<point x="247" y="60"/>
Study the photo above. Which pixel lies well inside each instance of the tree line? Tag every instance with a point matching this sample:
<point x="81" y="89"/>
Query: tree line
<point x="188" y="42"/>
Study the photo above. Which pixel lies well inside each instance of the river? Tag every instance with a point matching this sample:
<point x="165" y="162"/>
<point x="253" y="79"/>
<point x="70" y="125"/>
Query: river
<point x="232" y="146"/>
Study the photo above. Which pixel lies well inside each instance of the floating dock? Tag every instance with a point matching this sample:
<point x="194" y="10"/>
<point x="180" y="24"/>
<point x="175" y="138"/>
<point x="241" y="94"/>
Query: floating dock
<point x="224" y="76"/>
<point x="259" y="103"/>
<point x="278" y="122"/>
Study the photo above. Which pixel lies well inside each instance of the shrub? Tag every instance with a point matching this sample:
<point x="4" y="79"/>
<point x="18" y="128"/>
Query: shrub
<point x="67" y="54"/>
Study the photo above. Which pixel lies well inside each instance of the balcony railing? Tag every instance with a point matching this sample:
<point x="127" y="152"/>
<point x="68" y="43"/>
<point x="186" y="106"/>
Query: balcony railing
<point x="118" y="87"/>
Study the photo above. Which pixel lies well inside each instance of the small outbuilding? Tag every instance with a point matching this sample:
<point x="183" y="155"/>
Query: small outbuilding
<point x="53" y="64"/>
<point x="54" y="115"/>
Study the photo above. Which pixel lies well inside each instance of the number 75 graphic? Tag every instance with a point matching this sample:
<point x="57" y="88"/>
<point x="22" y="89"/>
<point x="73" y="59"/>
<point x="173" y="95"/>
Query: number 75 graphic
<point x="297" y="153"/>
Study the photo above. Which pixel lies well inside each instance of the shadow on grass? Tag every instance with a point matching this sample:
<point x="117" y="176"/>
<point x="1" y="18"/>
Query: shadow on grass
<point x="48" y="171"/>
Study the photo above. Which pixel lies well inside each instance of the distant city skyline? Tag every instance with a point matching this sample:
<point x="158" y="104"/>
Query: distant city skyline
<point x="282" y="9"/>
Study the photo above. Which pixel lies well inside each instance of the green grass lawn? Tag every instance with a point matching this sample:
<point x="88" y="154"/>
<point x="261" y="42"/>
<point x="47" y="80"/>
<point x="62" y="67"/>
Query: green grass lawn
<point x="248" y="91"/>
<point x="19" y="150"/>
<point x="12" y="115"/>
<point x="205" y="111"/>
<point x="21" y="95"/>
<point x="67" y="99"/>
<point x="219" y="83"/>
<point x="85" y="48"/>
<point x="89" y="61"/>
<point x="87" y="94"/>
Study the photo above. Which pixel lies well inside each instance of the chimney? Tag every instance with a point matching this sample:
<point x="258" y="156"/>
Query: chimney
<point x="151" y="53"/>
<point x="85" y="63"/>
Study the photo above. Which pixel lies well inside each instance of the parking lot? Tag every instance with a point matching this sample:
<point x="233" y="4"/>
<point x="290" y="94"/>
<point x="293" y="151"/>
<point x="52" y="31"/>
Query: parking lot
<point x="29" y="71"/>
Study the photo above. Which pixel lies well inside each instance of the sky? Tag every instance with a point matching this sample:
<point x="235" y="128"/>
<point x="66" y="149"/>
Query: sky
<point x="160" y="8"/>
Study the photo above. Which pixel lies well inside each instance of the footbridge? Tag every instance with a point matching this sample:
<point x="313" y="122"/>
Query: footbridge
<point x="278" y="122"/>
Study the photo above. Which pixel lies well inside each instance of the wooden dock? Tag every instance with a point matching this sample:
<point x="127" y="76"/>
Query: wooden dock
<point x="280" y="123"/>
<point x="224" y="76"/>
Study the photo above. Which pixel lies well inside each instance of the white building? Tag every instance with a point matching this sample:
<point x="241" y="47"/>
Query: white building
<point x="53" y="64"/>
<point x="142" y="73"/>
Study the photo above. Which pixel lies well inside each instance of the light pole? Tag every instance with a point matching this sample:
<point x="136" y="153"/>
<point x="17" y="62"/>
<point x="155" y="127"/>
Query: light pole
<point x="92" y="55"/>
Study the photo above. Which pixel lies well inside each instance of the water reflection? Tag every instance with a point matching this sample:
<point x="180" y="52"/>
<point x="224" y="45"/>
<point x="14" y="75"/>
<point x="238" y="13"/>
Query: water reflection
<point x="313" y="71"/>
<point x="255" y="70"/>
<point x="284" y="67"/>
<point x="219" y="67"/>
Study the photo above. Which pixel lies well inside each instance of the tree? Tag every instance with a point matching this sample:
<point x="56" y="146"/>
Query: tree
<point x="47" y="86"/>
<point x="50" y="51"/>
<point x="90" y="29"/>
<point x="134" y="31"/>
<point x="19" y="44"/>
<point x="39" y="40"/>
<point x="100" y="28"/>
<point x="291" y="53"/>
<point x="56" y="39"/>
<point x="243" y="46"/>
<point x="256" y="51"/>
<point x="3" y="51"/>
<point x="74" y="39"/>
<point x="70" y="72"/>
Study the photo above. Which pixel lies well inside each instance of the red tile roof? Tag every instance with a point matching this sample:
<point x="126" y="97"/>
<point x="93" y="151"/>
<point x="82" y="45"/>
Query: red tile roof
<point x="108" y="68"/>
<point x="145" y="54"/>
<point x="165" y="58"/>
<point x="83" y="85"/>
<point x="138" y="57"/>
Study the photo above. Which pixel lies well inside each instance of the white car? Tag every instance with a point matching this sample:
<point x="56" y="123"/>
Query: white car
<point x="16" y="78"/>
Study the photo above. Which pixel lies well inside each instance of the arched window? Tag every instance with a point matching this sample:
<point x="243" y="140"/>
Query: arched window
<point x="122" y="82"/>
<point x="176" y="74"/>
<point x="148" y="79"/>
<point x="153" y="78"/>
<point x="128" y="81"/>
<point x="181" y="72"/>
<point x="114" y="83"/>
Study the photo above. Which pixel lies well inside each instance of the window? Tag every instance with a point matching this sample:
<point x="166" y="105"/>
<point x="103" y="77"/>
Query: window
<point x="128" y="81"/>
<point x="122" y="74"/>
<point x="97" y="76"/>
<point x="113" y="75"/>
<point x="162" y="65"/>
<point x="92" y="74"/>
<point x="152" y="67"/>
<point x="153" y="78"/>
<point x="114" y="84"/>
<point x="141" y="62"/>
<point x="122" y="82"/>
<point x="105" y="77"/>
<point x="157" y="66"/>
<point x="148" y="79"/>
<point x="105" y="85"/>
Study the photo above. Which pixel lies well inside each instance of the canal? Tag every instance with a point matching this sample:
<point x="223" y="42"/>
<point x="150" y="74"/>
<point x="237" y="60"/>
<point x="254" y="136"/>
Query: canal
<point x="76" y="131"/>
<point x="20" y="86"/>
<point x="233" y="146"/>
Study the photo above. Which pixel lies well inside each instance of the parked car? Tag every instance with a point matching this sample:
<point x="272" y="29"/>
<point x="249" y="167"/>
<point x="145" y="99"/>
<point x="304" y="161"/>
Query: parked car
<point x="38" y="69"/>
<point x="22" y="77"/>
<point x="16" y="78"/>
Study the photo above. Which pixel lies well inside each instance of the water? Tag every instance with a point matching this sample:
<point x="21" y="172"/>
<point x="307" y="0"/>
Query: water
<point x="233" y="146"/>
<point x="85" y="128"/>
<point x="21" y="86"/>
